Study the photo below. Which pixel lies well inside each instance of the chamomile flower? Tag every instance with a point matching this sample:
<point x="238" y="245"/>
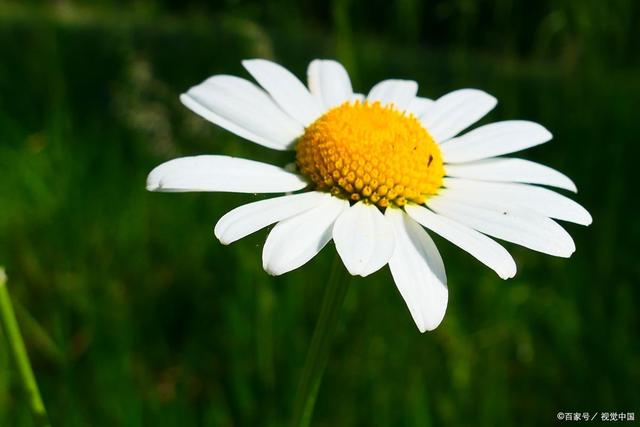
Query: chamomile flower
<point x="373" y="173"/>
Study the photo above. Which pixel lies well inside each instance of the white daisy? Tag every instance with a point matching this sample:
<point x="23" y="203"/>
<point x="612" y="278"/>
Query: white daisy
<point x="376" y="171"/>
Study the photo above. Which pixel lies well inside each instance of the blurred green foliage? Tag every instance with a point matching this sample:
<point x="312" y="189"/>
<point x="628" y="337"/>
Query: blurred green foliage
<point x="135" y="315"/>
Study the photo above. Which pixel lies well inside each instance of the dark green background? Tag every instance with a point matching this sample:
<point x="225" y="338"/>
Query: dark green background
<point x="134" y="314"/>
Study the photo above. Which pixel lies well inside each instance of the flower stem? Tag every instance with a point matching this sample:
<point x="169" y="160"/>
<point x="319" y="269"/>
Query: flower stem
<point x="318" y="354"/>
<point x="19" y="353"/>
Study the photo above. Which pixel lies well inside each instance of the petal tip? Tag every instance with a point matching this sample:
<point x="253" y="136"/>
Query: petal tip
<point x="154" y="182"/>
<point x="509" y="272"/>
<point x="249" y="61"/>
<point x="506" y="275"/>
<point x="567" y="253"/>
<point x="184" y="98"/>
<point x="221" y="238"/>
<point x="431" y="326"/>
<point x="571" y="186"/>
<point x="248" y="64"/>
<point x="491" y="100"/>
<point x="352" y="270"/>
<point x="270" y="270"/>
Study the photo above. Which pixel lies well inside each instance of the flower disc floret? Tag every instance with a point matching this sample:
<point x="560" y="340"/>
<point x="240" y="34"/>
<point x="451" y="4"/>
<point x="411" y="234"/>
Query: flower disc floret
<point x="366" y="151"/>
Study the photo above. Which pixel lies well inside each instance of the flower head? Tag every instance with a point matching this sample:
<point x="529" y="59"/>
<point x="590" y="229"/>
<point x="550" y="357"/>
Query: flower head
<point x="377" y="172"/>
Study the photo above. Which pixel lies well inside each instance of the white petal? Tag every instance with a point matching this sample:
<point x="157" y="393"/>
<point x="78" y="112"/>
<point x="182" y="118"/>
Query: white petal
<point x="243" y="108"/>
<point x="222" y="173"/>
<point x="249" y="218"/>
<point x="358" y="97"/>
<point x="329" y="82"/>
<point x="398" y="92"/>
<point x="456" y="111"/>
<point x="363" y="238"/>
<point x="511" y="170"/>
<point x="418" y="271"/>
<point x="483" y="248"/>
<point x="296" y="240"/>
<point x="420" y="106"/>
<point x="513" y="224"/>
<point x="537" y="199"/>
<point x="494" y="139"/>
<point x="289" y="92"/>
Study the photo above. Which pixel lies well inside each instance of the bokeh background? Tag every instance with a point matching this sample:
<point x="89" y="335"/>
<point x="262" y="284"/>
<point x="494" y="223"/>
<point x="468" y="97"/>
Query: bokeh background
<point x="135" y="315"/>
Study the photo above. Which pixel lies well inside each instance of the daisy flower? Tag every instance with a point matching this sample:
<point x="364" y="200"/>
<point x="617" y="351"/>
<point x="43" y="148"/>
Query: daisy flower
<point x="373" y="173"/>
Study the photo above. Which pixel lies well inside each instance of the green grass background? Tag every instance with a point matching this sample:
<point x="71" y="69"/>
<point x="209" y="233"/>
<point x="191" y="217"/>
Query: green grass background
<point x="135" y="315"/>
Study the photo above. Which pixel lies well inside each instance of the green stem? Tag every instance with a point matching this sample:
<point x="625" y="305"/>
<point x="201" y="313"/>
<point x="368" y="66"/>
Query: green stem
<point x="19" y="353"/>
<point x="318" y="354"/>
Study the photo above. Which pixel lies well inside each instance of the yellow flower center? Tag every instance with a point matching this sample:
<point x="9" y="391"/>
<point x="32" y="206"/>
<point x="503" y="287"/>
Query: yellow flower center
<point x="366" y="151"/>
